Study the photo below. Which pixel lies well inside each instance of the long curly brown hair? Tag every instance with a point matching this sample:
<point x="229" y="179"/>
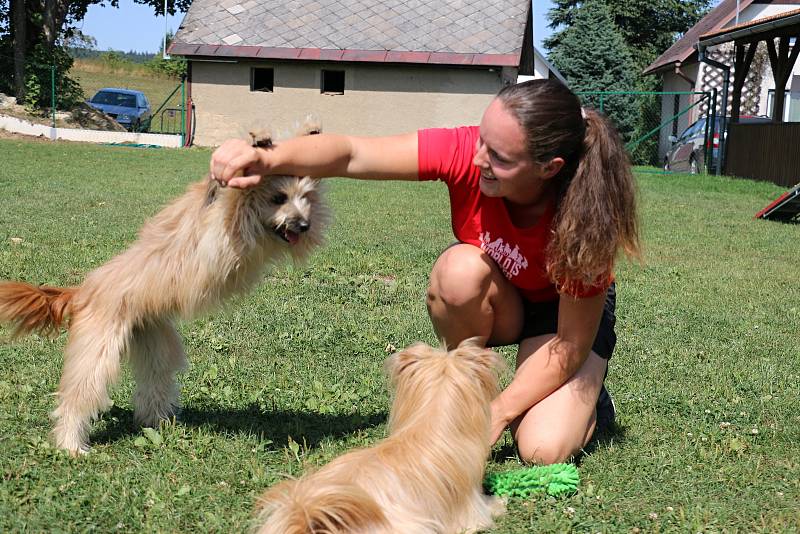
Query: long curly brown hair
<point x="595" y="190"/>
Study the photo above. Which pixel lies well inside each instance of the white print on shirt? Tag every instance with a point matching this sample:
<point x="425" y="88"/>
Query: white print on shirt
<point x="510" y="260"/>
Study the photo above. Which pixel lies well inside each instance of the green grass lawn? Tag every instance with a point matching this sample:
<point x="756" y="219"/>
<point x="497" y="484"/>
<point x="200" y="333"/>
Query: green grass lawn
<point x="93" y="75"/>
<point x="706" y="374"/>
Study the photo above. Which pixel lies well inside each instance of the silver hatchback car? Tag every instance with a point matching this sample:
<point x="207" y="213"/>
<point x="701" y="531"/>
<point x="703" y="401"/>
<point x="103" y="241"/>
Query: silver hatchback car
<point x="688" y="150"/>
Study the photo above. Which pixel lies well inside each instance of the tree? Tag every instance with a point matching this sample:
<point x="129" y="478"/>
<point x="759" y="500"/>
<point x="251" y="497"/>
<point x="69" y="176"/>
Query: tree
<point x="592" y="55"/>
<point x="35" y="33"/>
<point x="649" y="27"/>
<point x="174" y="67"/>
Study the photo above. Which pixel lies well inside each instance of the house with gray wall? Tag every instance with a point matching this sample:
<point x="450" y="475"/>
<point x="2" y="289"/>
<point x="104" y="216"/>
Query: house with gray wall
<point x="365" y="67"/>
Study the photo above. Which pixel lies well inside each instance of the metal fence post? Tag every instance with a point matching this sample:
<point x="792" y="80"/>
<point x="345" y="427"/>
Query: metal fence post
<point x="53" y="92"/>
<point x="713" y="120"/>
<point x="183" y="111"/>
<point x="708" y="142"/>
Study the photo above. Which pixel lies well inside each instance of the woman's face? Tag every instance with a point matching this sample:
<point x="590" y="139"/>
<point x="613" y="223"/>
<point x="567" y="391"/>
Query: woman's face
<point x="507" y="169"/>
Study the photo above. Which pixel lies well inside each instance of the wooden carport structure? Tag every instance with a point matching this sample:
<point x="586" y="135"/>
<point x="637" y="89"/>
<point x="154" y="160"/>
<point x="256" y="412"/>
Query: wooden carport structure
<point x="750" y="150"/>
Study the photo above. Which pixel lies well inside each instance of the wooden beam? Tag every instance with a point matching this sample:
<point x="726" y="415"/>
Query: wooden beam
<point x="741" y="66"/>
<point x="782" y="62"/>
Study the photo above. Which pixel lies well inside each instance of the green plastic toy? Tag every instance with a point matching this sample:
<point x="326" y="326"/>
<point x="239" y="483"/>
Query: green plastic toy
<point x="555" y="479"/>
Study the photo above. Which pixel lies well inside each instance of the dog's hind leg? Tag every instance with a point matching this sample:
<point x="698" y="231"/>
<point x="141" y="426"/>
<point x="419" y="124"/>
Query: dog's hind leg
<point x="156" y="354"/>
<point x="91" y="365"/>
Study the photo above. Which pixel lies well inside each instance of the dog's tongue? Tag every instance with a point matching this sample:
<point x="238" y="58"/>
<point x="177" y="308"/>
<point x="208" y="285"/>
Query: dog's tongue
<point x="291" y="237"/>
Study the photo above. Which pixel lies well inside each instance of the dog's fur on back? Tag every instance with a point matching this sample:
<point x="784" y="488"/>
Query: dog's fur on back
<point x="426" y="477"/>
<point x="209" y="244"/>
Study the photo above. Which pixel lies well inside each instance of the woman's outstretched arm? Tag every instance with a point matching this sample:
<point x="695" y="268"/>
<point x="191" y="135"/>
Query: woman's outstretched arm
<point x="238" y="164"/>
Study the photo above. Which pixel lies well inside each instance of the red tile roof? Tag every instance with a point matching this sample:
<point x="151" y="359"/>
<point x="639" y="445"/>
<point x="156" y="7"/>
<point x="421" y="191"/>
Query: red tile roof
<point x="370" y="56"/>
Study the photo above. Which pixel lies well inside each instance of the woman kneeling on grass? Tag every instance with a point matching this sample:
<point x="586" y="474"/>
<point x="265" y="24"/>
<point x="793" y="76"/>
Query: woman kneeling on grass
<point x="542" y="198"/>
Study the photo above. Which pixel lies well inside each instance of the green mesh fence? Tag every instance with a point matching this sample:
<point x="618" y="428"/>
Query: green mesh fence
<point x="642" y="116"/>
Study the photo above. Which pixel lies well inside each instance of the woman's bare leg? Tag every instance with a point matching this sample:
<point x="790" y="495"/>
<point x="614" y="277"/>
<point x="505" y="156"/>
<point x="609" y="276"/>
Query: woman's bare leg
<point x="560" y="425"/>
<point x="468" y="296"/>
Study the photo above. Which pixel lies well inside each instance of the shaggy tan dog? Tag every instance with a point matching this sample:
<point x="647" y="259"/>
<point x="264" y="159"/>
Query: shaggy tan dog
<point x="209" y="244"/>
<point x="425" y="477"/>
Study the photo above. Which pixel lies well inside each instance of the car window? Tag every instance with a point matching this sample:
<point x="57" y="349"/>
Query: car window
<point x="115" y="99"/>
<point x="105" y="97"/>
<point x="128" y="101"/>
<point x="693" y="130"/>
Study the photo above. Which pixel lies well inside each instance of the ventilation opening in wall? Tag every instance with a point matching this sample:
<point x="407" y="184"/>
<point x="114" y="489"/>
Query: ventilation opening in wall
<point x="332" y="82"/>
<point x="262" y="80"/>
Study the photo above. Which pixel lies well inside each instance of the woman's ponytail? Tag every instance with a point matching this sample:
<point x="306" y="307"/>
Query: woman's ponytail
<point x="596" y="215"/>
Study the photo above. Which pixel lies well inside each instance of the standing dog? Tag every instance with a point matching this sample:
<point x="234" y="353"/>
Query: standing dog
<point x="426" y="477"/>
<point x="208" y="245"/>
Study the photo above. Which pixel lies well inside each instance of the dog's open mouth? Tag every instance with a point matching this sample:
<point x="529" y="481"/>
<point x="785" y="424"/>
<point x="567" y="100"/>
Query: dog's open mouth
<point x="288" y="235"/>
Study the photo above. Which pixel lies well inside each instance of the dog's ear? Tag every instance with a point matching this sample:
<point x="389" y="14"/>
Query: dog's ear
<point x="485" y="363"/>
<point x="261" y="138"/>
<point x="310" y="126"/>
<point x="473" y="349"/>
<point x="212" y="187"/>
<point x="405" y="360"/>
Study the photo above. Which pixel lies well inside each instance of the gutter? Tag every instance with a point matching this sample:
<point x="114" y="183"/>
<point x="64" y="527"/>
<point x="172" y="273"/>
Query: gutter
<point x="703" y="58"/>
<point x="736" y="35"/>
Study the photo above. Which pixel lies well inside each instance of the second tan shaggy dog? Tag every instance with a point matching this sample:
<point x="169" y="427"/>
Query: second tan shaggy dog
<point x="426" y="477"/>
<point x="208" y="245"/>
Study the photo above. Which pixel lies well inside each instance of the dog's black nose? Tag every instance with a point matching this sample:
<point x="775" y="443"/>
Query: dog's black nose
<point x="303" y="226"/>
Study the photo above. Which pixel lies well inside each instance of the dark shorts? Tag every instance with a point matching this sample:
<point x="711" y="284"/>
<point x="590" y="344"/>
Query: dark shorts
<point x="542" y="318"/>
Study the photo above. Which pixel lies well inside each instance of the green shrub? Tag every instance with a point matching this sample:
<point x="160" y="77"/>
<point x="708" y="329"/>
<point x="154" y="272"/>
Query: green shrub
<point x="39" y="74"/>
<point x="174" y="68"/>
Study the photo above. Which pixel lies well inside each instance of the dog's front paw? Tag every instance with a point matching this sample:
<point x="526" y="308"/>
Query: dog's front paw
<point x="497" y="505"/>
<point x="71" y="443"/>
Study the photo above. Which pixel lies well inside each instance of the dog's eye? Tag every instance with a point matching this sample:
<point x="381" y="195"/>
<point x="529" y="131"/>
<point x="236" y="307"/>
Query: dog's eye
<point x="279" y="198"/>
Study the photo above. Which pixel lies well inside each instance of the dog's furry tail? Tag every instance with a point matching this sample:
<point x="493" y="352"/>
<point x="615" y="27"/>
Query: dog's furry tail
<point x="306" y="507"/>
<point x="31" y="309"/>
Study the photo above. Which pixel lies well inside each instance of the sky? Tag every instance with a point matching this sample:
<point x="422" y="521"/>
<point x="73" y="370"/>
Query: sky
<point x="129" y="27"/>
<point x="135" y="27"/>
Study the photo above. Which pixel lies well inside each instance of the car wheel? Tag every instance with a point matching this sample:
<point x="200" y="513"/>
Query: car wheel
<point x="693" y="165"/>
<point x="666" y="164"/>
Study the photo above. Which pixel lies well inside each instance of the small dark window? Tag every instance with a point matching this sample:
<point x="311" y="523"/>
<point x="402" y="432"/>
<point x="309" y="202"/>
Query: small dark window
<point x="333" y="82"/>
<point x="262" y="79"/>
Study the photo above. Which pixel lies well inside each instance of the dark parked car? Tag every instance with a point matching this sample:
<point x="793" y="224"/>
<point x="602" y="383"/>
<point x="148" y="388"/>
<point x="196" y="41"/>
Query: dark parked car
<point x="688" y="150"/>
<point x="128" y="107"/>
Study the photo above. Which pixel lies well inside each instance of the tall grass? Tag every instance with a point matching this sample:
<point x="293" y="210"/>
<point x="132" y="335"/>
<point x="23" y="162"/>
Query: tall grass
<point x="95" y="73"/>
<point x="705" y="376"/>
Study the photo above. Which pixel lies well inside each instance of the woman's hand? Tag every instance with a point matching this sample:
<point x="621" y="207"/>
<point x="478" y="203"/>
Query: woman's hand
<point x="499" y="421"/>
<point x="238" y="164"/>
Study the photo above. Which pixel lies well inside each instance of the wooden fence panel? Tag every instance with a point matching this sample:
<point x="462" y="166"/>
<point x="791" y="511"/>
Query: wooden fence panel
<point x="767" y="152"/>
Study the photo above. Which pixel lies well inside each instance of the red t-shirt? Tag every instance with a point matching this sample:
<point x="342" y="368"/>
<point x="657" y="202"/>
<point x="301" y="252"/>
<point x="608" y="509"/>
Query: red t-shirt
<point x="446" y="154"/>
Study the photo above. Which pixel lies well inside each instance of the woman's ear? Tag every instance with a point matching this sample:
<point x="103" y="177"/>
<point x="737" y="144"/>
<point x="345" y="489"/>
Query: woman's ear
<point x="552" y="167"/>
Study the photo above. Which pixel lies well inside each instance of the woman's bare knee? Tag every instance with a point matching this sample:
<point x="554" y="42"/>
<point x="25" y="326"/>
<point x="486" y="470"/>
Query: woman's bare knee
<point x="546" y="451"/>
<point x="460" y="276"/>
